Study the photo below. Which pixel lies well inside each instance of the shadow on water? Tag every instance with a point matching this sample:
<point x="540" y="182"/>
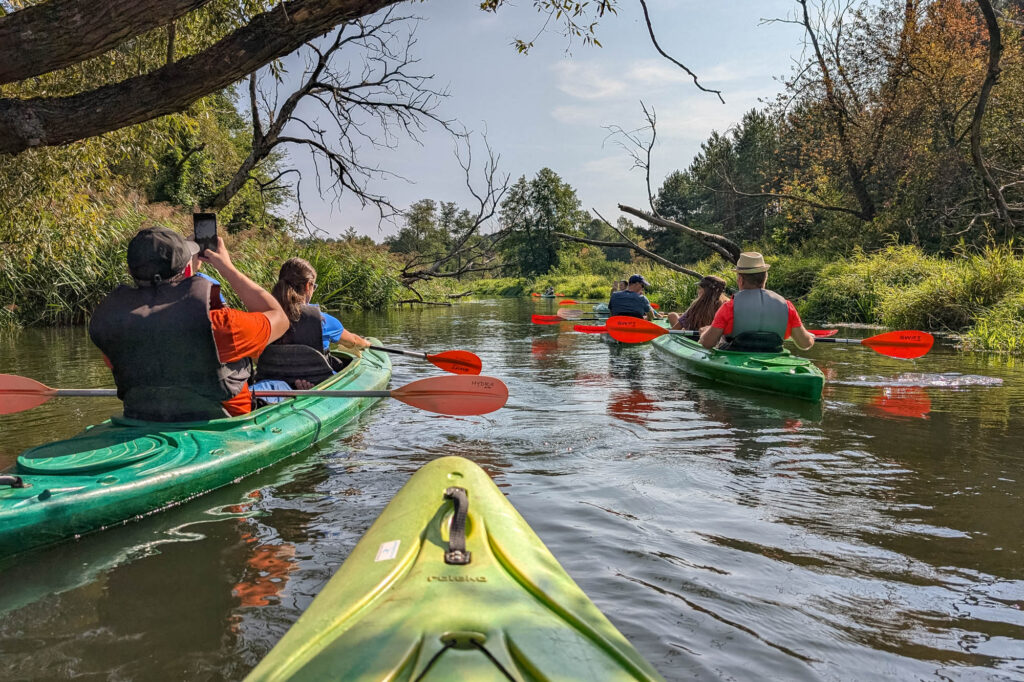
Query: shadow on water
<point x="728" y="535"/>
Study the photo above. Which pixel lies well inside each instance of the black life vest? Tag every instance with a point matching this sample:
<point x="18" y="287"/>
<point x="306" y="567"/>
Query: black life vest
<point x="308" y="330"/>
<point x="160" y="342"/>
<point x="299" y="353"/>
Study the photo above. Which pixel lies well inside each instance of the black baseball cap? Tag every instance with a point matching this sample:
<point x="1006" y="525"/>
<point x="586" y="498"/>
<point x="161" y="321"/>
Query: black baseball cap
<point x="639" y="278"/>
<point x="158" y="251"/>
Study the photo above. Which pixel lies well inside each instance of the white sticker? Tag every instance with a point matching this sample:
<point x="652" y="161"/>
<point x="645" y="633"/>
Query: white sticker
<point x="387" y="550"/>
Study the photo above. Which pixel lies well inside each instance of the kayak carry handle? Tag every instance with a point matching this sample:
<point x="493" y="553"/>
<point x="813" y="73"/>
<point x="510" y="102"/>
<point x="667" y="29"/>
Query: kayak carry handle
<point x="457" y="554"/>
<point x="13" y="481"/>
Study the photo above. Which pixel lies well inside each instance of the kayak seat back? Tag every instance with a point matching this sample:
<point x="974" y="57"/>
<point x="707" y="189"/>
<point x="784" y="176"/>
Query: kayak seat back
<point x="754" y="342"/>
<point x="293" y="361"/>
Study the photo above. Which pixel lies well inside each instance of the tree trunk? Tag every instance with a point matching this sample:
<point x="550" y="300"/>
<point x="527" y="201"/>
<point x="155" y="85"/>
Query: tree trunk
<point x="58" y="33"/>
<point x="54" y="121"/>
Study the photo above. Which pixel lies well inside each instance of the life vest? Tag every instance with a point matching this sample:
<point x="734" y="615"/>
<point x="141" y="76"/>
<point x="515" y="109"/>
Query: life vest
<point x="160" y="342"/>
<point x="760" y="320"/>
<point x="298" y="354"/>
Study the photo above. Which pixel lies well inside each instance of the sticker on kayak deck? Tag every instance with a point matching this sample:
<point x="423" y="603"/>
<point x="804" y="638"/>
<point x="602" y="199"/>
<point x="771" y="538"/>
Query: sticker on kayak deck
<point x="387" y="550"/>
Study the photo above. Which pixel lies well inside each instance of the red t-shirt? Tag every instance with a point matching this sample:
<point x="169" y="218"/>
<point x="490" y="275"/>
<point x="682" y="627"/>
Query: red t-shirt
<point x="724" y="316"/>
<point x="238" y="335"/>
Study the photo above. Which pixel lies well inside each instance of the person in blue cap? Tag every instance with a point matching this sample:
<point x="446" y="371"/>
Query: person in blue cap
<point x="632" y="301"/>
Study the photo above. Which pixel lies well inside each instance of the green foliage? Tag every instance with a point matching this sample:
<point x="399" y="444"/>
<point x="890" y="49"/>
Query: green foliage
<point x="531" y="212"/>
<point x="1000" y="328"/>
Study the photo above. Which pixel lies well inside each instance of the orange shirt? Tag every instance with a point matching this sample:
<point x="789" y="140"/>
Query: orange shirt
<point x="238" y="335"/>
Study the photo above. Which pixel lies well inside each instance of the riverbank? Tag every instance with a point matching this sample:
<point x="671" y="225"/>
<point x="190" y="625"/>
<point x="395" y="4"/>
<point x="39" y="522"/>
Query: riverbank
<point x="978" y="295"/>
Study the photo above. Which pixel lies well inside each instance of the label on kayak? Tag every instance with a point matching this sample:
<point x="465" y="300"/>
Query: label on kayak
<point x="387" y="550"/>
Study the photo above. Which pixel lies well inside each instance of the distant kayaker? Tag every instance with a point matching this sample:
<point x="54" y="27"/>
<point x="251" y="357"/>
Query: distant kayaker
<point x="756" y="319"/>
<point x="309" y="327"/>
<point x="631" y="301"/>
<point x="550" y="291"/>
<point x="177" y="354"/>
<point x="710" y="297"/>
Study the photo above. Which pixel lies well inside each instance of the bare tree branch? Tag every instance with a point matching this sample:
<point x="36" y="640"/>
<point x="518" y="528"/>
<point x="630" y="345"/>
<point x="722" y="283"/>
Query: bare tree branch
<point x="723" y="246"/>
<point x="654" y="41"/>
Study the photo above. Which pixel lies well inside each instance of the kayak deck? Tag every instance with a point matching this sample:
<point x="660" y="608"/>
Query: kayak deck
<point x="396" y="610"/>
<point x="780" y="373"/>
<point x="125" y="468"/>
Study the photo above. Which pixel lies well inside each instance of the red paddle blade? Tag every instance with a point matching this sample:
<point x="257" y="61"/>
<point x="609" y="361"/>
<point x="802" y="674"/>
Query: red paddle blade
<point x="545" y="319"/>
<point x="632" y="329"/>
<point x="18" y="394"/>
<point x="656" y="306"/>
<point x="567" y="301"/>
<point x="590" y="329"/>
<point x="559" y="294"/>
<point x="823" y="333"/>
<point x="906" y="344"/>
<point x="535" y="294"/>
<point x="569" y="314"/>
<point x="457" y="362"/>
<point x="455" y="395"/>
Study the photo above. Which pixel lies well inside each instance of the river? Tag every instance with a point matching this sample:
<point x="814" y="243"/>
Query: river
<point x="728" y="535"/>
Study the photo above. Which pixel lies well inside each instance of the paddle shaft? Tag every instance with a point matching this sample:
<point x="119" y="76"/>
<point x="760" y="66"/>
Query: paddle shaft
<point x="112" y="393"/>
<point x="399" y="351"/>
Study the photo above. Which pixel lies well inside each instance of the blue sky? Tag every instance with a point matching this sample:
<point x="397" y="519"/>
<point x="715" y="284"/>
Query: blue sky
<point x="550" y="107"/>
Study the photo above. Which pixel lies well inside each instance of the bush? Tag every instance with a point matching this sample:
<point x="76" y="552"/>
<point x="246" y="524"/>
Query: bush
<point x="1000" y="328"/>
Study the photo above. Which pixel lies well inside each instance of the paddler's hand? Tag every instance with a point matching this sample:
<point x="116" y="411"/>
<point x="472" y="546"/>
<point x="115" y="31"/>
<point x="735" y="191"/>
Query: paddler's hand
<point x="219" y="259"/>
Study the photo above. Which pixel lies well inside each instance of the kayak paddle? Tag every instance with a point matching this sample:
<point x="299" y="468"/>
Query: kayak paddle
<point x="457" y="395"/>
<point x="535" y="294"/>
<point x="567" y="301"/>
<point x="906" y="344"/>
<point x="454" y="361"/>
<point x="555" y="319"/>
<point x="818" y="333"/>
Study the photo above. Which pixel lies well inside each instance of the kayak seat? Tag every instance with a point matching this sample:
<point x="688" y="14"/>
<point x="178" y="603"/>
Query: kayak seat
<point x="754" y="342"/>
<point x="291" y="362"/>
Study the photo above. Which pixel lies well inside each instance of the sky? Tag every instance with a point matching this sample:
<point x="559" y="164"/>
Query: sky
<point x="551" y="108"/>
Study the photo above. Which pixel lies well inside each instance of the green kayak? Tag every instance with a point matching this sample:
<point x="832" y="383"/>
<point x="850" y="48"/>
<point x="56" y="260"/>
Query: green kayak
<point x="124" y="468"/>
<point x="781" y="373"/>
<point x="429" y="594"/>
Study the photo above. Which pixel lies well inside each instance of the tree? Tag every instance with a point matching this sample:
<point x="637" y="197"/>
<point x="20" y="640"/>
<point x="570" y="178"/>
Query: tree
<point x="531" y="213"/>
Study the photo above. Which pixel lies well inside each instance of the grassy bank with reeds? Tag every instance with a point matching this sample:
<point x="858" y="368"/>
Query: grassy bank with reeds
<point x="978" y="295"/>
<point x="58" y="278"/>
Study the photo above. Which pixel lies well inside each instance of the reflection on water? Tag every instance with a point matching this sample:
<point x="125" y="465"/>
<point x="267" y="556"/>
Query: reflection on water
<point x="728" y="535"/>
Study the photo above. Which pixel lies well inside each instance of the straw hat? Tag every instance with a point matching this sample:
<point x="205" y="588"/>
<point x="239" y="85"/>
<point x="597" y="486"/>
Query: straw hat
<point x="751" y="262"/>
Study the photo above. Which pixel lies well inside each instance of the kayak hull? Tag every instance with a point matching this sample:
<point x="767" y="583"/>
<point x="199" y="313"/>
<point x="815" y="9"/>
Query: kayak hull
<point x="123" y="468"/>
<point x="779" y="373"/>
<point x="396" y="611"/>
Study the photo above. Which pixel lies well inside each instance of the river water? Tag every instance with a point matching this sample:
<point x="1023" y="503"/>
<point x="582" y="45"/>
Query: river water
<point x="727" y="535"/>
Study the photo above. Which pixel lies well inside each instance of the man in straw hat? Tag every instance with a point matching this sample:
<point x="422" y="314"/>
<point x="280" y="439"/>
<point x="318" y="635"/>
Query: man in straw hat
<point x="176" y="352"/>
<point x="756" y="319"/>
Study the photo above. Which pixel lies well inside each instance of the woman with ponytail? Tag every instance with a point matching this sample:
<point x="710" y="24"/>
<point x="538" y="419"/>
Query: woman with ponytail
<point x="710" y="296"/>
<point x="310" y="326"/>
<point x="299" y="359"/>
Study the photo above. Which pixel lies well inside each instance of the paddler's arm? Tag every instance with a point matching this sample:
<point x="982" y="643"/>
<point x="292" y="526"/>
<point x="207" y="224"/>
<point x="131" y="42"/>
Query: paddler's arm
<point x="253" y="296"/>
<point x="802" y="338"/>
<point x="350" y="339"/>
<point x="710" y="336"/>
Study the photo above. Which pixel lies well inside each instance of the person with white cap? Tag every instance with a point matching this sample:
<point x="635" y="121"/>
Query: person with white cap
<point x="631" y="300"/>
<point x="177" y="354"/>
<point x="756" y="319"/>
